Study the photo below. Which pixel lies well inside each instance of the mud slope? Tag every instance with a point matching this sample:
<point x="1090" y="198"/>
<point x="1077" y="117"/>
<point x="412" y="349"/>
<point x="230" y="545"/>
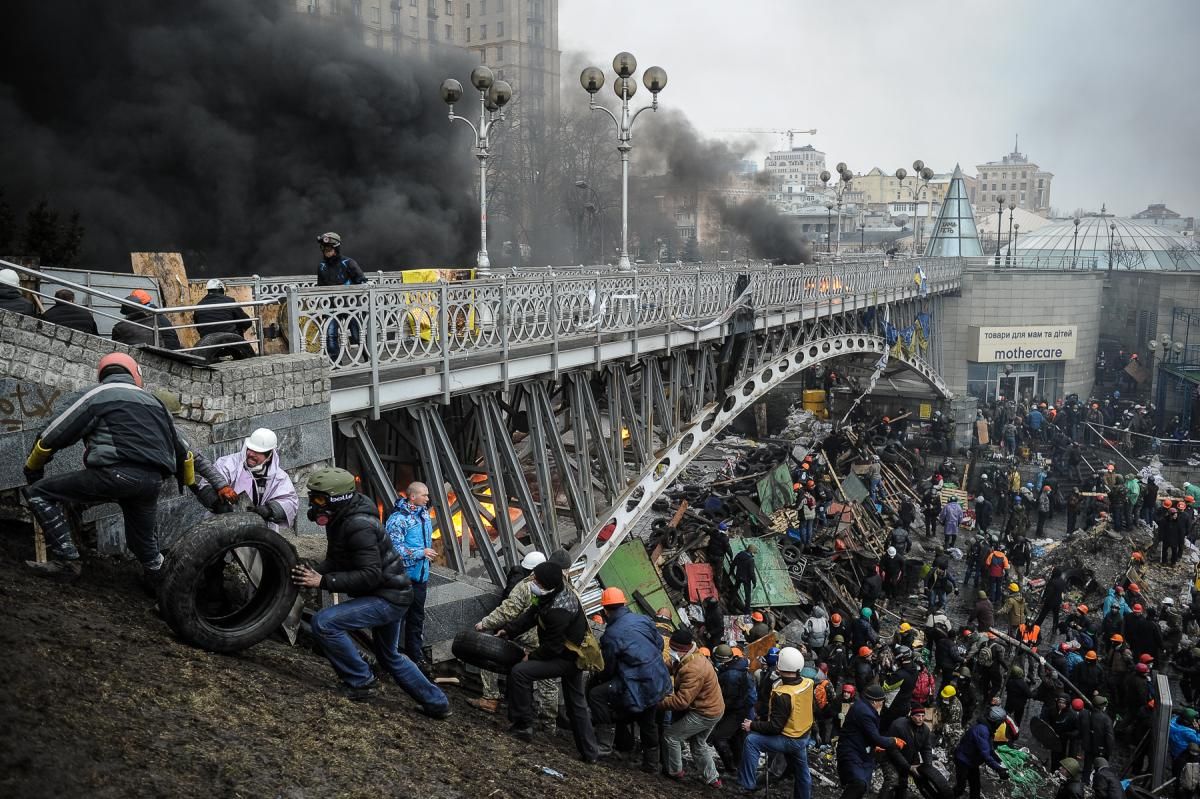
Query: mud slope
<point x="99" y="700"/>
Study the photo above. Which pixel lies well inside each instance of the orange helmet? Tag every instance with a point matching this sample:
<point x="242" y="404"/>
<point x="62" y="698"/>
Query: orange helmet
<point x="1083" y="609"/>
<point x="140" y="296"/>
<point x="737" y="652"/>
<point x="804" y="465"/>
<point x="123" y="361"/>
<point x="756" y="616"/>
<point x="708" y="652"/>
<point x="1137" y="557"/>
<point x="1168" y="503"/>
<point x="795" y="486"/>
<point x="1134" y="587"/>
<point x="836" y="618"/>
<point x="612" y="596"/>
<point x="809" y="484"/>
<point x="1091" y="655"/>
<point x="596" y="617"/>
<point x="1189" y="499"/>
<point x="1117" y="638"/>
<point x="864" y="651"/>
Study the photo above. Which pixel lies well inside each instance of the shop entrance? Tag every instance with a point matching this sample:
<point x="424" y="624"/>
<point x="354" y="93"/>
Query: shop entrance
<point x="1021" y="387"/>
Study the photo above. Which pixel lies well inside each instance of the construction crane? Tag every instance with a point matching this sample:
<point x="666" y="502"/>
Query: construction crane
<point x="790" y="133"/>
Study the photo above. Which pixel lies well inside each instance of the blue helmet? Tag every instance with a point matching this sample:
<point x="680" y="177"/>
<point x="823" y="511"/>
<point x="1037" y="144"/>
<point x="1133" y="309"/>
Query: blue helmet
<point x="772" y="656"/>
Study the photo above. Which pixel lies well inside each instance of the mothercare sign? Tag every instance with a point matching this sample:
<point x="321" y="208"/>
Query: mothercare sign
<point x="1036" y="343"/>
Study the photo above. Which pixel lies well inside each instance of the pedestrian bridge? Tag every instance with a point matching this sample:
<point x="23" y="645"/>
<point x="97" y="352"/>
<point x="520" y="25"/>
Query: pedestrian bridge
<point x="550" y="409"/>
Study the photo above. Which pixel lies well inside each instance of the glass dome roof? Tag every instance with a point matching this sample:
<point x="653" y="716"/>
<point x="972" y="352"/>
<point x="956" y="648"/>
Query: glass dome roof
<point x="1133" y="245"/>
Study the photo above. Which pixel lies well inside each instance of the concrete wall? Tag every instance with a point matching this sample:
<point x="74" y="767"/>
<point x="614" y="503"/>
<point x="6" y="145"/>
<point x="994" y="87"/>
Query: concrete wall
<point x="1000" y="297"/>
<point x="1138" y="305"/>
<point x="43" y="366"/>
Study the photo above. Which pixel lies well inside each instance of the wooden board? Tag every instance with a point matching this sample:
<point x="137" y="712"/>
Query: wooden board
<point x="758" y="649"/>
<point x="168" y="271"/>
<point x="683" y="506"/>
<point x="981" y="431"/>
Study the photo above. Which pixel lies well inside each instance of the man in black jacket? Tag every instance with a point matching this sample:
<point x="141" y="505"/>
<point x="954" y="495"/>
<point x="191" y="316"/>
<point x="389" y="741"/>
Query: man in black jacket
<point x="11" y="298"/>
<point x="220" y="314"/>
<point x="361" y="562"/>
<point x="1097" y="737"/>
<point x="130" y="446"/>
<point x="139" y="324"/>
<point x="744" y="575"/>
<point x="901" y="764"/>
<point x="67" y="314"/>
<point x="1106" y="783"/>
<point x="562" y="627"/>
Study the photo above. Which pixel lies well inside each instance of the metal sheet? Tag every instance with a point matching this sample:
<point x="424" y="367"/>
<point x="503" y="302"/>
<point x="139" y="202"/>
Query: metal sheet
<point x="629" y="568"/>
<point x="775" y="588"/>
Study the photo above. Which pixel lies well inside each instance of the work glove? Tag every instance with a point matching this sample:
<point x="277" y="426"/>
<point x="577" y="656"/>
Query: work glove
<point x="33" y="475"/>
<point x="899" y="742"/>
<point x="1002" y="773"/>
<point x="228" y="494"/>
<point x="263" y="511"/>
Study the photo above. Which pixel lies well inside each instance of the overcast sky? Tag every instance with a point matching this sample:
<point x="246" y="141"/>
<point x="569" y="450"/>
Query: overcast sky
<point x="1102" y="92"/>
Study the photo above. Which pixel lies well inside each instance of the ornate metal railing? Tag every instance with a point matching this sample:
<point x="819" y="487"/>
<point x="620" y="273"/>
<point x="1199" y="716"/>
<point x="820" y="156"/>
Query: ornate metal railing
<point x="363" y="328"/>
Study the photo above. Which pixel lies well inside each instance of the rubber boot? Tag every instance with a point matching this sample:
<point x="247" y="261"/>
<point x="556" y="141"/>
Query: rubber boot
<point x="55" y="528"/>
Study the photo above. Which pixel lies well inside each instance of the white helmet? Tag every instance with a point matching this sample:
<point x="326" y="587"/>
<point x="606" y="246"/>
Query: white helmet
<point x="532" y="560"/>
<point x="891" y="552"/>
<point x="8" y="277"/>
<point x="262" y="440"/>
<point x="214" y="284"/>
<point x="790" y="660"/>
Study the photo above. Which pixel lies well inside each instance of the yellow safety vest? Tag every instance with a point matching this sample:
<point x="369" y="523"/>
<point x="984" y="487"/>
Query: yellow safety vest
<point x="801" y="720"/>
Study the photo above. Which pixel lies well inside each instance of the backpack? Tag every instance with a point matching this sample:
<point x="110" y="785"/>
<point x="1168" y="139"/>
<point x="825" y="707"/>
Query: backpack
<point x="818" y="631"/>
<point x="824" y="697"/>
<point x="996" y="564"/>
<point x="924" y="687"/>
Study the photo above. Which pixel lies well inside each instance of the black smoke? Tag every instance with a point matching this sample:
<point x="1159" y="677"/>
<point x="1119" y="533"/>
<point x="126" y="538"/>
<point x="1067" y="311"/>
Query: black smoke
<point x="234" y="131"/>
<point x="771" y="235"/>
<point x="694" y="163"/>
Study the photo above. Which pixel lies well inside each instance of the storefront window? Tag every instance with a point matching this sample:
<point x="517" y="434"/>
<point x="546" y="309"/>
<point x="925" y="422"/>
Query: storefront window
<point x="1025" y="382"/>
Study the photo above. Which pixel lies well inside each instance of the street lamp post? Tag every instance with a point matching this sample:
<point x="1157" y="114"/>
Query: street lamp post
<point x="862" y="238"/>
<point x="596" y="209"/>
<point x="1112" y="230"/>
<point x="1016" y="236"/>
<point x="493" y="96"/>
<point x="999" y="224"/>
<point x="1075" y="243"/>
<point x="1012" y="206"/>
<point x="625" y="86"/>
<point x="839" y="191"/>
<point x="828" y="226"/>
<point x="922" y="175"/>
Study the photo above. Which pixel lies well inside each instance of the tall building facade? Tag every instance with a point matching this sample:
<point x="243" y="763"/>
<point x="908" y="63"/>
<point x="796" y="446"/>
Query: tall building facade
<point x="1016" y="179"/>
<point x="799" y="166"/>
<point x="517" y="38"/>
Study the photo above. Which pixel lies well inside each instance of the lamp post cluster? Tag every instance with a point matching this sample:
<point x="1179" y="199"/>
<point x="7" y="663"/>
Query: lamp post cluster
<point x="1075" y="242"/>
<point x="625" y="86"/>
<point x="845" y="177"/>
<point x="921" y="176"/>
<point x="493" y="96"/>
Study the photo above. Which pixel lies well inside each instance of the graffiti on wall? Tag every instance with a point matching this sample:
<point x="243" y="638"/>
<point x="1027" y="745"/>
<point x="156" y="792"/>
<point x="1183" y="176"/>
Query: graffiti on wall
<point x="25" y="404"/>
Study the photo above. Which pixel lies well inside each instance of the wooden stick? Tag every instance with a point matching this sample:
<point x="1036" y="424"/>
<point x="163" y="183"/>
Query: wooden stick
<point x="1023" y="648"/>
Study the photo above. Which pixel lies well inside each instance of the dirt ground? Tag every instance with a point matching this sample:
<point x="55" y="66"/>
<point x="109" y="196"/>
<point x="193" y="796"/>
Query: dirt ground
<point x="99" y="700"/>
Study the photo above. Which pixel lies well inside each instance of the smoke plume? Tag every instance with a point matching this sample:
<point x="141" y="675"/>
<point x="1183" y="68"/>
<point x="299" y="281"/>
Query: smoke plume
<point x="234" y="132"/>
<point x="694" y="163"/>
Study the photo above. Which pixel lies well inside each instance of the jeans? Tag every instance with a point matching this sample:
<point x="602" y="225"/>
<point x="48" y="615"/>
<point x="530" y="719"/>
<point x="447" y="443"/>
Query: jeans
<point x="412" y="624"/>
<point x="331" y="626"/>
<point x="806" y="531"/>
<point x="133" y="488"/>
<point x="794" y="749"/>
<point x="333" y="347"/>
<point x="876" y="488"/>
<point x="693" y="728"/>
<point x="745" y="589"/>
<point x="997" y="587"/>
<point x="520" y="698"/>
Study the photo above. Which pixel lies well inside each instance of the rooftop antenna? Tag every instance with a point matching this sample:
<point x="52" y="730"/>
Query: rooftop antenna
<point x="1017" y="143"/>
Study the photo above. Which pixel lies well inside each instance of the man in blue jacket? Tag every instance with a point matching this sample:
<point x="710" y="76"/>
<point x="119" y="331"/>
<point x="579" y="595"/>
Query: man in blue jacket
<point x="634" y="679"/>
<point x="411" y="531"/>
<point x="858" y="741"/>
<point x="975" y="749"/>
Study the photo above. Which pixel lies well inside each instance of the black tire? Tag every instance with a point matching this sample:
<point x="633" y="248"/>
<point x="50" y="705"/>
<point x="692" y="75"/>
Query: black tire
<point x="486" y="651"/>
<point x="658" y="525"/>
<point x="674" y="576"/>
<point x="235" y="347"/>
<point x="205" y="546"/>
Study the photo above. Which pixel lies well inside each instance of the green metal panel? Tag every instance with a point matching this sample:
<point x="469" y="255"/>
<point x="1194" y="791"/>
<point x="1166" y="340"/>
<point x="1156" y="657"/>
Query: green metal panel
<point x="775" y="490"/>
<point x="774" y="587"/>
<point x="629" y="568"/>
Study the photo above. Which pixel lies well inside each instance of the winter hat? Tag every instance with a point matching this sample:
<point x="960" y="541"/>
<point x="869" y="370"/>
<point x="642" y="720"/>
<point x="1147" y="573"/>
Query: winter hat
<point x="996" y="714"/>
<point x="682" y="640"/>
<point x="874" y="693"/>
<point x="549" y="575"/>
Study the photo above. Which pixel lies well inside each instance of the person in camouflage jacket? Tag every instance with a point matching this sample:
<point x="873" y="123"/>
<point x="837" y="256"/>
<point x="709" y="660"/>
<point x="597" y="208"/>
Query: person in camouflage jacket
<point x="545" y="691"/>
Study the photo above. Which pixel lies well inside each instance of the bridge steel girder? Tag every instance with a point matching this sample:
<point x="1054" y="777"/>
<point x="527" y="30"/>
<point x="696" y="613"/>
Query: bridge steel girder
<point x="669" y="462"/>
